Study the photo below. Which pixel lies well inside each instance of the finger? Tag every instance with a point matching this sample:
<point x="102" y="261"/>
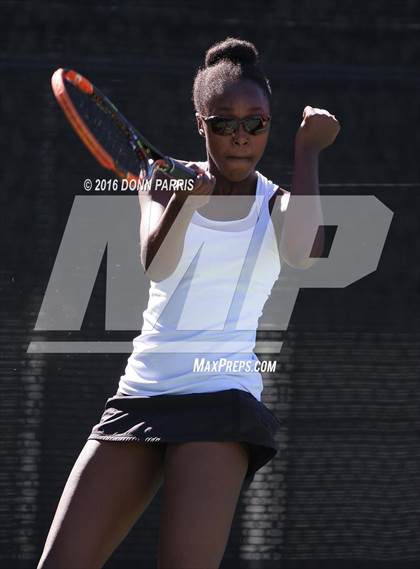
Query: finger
<point x="307" y="111"/>
<point x="195" y="167"/>
<point x="199" y="181"/>
<point x="322" y="112"/>
<point x="202" y="177"/>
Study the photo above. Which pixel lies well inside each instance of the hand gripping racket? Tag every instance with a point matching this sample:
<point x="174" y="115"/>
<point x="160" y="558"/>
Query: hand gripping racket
<point x="113" y="141"/>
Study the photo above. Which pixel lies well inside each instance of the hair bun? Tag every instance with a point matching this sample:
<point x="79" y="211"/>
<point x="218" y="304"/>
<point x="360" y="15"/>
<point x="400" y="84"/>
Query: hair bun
<point x="234" y="50"/>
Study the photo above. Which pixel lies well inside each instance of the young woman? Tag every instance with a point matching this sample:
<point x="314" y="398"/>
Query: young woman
<point x="212" y="255"/>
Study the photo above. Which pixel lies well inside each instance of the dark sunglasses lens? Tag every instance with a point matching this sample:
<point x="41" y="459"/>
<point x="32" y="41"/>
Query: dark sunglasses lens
<point x="223" y="126"/>
<point x="254" y="125"/>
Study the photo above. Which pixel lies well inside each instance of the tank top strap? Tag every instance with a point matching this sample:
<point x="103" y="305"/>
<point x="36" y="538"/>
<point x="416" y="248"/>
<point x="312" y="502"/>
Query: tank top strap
<point x="265" y="186"/>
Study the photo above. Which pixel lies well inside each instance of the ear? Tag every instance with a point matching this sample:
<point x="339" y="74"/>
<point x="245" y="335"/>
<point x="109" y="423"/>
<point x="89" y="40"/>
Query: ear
<point x="200" y="125"/>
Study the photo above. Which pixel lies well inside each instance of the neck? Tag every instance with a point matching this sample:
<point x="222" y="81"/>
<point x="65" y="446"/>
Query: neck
<point x="225" y="187"/>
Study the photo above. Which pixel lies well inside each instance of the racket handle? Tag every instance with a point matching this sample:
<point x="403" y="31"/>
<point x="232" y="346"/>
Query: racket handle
<point x="180" y="171"/>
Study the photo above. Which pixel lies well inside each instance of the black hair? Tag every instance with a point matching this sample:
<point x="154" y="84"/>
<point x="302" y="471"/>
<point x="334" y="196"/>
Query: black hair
<point x="226" y="62"/>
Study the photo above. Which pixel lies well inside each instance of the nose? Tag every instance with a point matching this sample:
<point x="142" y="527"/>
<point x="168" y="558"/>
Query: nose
<point x="240" y="137"/>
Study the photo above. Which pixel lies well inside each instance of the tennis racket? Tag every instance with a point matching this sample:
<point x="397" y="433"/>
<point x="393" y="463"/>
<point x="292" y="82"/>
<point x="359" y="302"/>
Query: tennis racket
<point x="107" y="134"/>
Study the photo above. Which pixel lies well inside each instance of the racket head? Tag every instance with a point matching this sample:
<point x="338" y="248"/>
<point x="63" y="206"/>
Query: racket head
<point x="106" y="133"/>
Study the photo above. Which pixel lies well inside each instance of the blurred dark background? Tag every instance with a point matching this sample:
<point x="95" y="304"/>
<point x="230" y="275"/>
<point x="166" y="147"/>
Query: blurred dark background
<point x="344" y="489"/>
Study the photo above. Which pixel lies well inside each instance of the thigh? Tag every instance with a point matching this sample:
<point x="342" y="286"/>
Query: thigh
<point x="109" y="487"/>
<point x="202" y="484"/>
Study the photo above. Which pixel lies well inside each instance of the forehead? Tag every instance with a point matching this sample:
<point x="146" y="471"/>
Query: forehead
<point x="239" y="98"/>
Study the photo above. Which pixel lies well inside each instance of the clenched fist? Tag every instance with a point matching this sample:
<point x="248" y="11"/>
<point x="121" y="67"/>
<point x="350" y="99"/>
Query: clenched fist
<point x="203" y="188"/>
<point x="317" y="130"/>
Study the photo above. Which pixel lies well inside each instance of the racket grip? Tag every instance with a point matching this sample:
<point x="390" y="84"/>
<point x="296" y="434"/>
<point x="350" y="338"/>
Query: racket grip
<point x="180" y="171"/>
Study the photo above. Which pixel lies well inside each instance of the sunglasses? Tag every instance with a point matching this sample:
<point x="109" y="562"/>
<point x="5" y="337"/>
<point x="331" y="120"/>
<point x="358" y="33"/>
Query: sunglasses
<point x="226" y="126"/>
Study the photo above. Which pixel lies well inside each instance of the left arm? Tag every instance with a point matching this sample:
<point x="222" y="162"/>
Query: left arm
<point x="294" y="231"/>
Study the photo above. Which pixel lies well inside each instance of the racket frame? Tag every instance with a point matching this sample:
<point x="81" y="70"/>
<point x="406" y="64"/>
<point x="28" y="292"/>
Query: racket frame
<point x="149" y="154"/>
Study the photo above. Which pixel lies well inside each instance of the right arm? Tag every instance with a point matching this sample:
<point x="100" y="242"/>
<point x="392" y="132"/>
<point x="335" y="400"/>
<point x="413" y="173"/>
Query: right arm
<point x="165" y="217"/>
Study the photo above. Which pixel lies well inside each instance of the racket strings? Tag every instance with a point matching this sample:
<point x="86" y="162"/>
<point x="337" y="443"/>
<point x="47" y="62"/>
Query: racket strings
<point x="112" y="133"/>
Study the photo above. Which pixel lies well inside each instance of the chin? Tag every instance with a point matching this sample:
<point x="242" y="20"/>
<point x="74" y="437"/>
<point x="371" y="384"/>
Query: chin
<point x="237" y="174"/>
<point x="237" y="177"/>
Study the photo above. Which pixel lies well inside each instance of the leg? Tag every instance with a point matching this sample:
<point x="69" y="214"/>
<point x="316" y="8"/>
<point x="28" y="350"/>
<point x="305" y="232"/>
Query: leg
<point x="202" y="484"/>
<point x="109" y="487"/>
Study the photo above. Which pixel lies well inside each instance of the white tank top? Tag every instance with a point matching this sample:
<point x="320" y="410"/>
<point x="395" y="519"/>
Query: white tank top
<point x="206" y="312"/>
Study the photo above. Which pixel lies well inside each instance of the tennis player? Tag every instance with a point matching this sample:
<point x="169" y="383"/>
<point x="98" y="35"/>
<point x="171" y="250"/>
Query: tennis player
<point x="212" y="255"/>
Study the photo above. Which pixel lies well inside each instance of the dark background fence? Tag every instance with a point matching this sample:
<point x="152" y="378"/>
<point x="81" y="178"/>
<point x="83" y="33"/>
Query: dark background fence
<point x="344" y="488"/>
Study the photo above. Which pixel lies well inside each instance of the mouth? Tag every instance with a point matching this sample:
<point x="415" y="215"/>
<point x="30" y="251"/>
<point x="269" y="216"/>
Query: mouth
<point x="239" y="158"/>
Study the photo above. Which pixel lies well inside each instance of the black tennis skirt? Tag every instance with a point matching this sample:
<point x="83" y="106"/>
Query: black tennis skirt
<point x="228" y="415"/>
